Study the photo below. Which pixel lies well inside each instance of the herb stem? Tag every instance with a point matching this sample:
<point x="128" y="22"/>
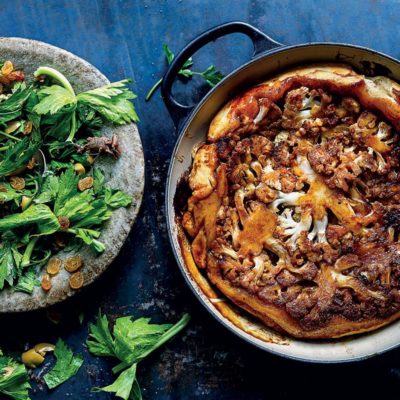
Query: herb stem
<point x="56" y="75"/>
<point x="153" y="89"/>
<point x="10" y="136"/>
<point x="26" y="258"/>
<point x="73" y="128"/>
<point x="170" y="333"/>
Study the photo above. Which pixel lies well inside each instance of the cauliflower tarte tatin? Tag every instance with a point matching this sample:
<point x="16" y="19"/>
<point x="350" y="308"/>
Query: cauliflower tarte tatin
<point x="294" y="206"/>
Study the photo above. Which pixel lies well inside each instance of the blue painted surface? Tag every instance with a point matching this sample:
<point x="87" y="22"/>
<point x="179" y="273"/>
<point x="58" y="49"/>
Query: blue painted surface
<point x="124" y="39"/>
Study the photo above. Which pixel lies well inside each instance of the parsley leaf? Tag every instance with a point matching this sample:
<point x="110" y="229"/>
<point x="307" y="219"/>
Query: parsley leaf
<point x="11" y="108"/>
<point x="7" y="266"/>
<point x="49" y="190"/>
<point x="116" y="198"/>
<point x="131" y="341"/>
<point x="27" y="282"/>
<point x="123" y="385"/>
<point x="38" y="214"/>
<point x="67" y="365"/>
<point x="14" y="380"/>
<point x="103" y="343"/>
<point x="52" y="99"/>
<point x="111" y="102"/>
<point x="17" y="155"/>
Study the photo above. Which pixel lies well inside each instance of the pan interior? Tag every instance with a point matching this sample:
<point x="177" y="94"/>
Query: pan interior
<point x="194" y="131"/>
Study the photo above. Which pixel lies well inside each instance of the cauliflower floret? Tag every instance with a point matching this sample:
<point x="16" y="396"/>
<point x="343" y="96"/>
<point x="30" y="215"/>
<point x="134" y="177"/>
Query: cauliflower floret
<point x="319" y="230"/>
<point x="305" y="169"/>
<point x="240" y="195"/>
<point x="281" y="137"/>
<point x="382" y="164"/>
<point x="270" y="177"/>
<point x="293" y="228"/>
<point x="288" y="199"/>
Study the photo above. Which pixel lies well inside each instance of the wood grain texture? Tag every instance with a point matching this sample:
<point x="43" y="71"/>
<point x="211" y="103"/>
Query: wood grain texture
<point x="124" y="39"/>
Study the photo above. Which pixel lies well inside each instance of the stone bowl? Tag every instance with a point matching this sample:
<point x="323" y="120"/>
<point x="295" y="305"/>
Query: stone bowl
<point x="126" y="173"/>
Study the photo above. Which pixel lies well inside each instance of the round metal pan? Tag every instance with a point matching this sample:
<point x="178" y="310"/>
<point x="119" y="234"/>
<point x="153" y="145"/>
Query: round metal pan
<point x="192" y="123"/>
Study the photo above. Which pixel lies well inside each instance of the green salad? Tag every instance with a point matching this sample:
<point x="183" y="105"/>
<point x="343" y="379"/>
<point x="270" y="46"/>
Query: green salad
<point x="52" y="195"/>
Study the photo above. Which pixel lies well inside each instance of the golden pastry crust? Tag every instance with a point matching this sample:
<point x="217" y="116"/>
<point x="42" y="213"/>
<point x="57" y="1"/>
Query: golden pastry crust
<point x="293" y="213"/>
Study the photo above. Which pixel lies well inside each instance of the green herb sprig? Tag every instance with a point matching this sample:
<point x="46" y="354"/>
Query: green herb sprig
<point x="130" y="342"/>
<point x="211" y="75"/>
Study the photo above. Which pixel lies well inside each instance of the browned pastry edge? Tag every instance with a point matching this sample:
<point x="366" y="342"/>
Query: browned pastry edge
<point x="229" y="312"/>
<point x="378" y="93"/>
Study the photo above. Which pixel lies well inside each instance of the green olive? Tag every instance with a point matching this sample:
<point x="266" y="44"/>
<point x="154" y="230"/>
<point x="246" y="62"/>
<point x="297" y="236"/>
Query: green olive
<point x="79" y="168"/>
<point x="43" y="348"/>
<point x="25" y="202"/>
<point x="31" y="358"/>
<point x="12" y="126"/>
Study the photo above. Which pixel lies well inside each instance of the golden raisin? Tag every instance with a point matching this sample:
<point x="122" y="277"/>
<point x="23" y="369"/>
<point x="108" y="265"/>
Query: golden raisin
<point x="46" y="282"/>
<point x="28" y="127"/>
<point x="76" y="280"/>
<point x="64" y="223"/>
<point x="3" y="189"/>
<point x="17" y="182"/>
<point x="53" y="266"/>
<point x="85" y="183"/>
<point x="73" y="263"/>
<point x="7" y="68"/>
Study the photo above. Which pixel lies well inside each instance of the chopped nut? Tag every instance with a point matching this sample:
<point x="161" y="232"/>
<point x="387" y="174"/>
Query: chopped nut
<point x="53" y="266"/>
<point x="73" y="263"/>
<point x="17" y="182"/>
<point x="76" y="280"/>
<point x="64" y="223"/>
<point x="46" y="282"/>
<point x="85" y="183"/>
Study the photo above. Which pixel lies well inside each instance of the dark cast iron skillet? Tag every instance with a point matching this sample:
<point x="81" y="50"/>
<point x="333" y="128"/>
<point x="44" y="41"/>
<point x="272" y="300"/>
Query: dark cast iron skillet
<point x="192" y="122"/>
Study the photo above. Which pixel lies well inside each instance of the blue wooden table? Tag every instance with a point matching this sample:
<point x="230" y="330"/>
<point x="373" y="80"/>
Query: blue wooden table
<point x="124" y="39"/>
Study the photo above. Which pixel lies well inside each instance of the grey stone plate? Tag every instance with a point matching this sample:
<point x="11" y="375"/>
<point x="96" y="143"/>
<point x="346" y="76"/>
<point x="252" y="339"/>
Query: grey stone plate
<point x="127" y="173"/>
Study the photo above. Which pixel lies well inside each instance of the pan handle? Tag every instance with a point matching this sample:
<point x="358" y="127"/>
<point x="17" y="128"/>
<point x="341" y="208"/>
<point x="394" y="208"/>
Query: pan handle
<point x="261" y="42"/>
